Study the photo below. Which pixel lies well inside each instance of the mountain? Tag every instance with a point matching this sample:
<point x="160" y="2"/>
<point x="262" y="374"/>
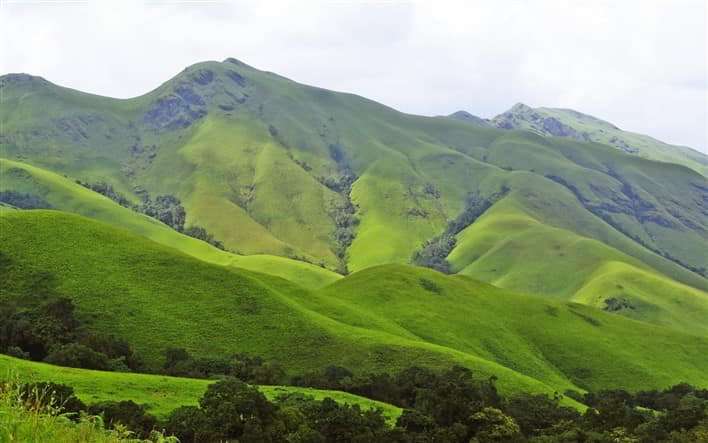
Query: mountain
<point x="578" y="126"/>
<point x="270" y="166"/>
<point x="234" y="210"/>
<point x="382" y="318"/>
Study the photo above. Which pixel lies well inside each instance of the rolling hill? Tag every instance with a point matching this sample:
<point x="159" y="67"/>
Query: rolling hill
<point x="272" y="167"/>
<point x="161" y="394"/>
<point x="382" y="318"/>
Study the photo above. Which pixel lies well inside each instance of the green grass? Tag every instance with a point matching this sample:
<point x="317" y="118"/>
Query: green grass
<point x="378" y="319"/>
<point x="66" y="195"/>
<point x="19" y="424"/>
<point x="251" y="170"/>
<point x="510" y="249"/>
<point x="160" y="394"/>
<point x="587" y="127"/>
<point x="581" y="223"/>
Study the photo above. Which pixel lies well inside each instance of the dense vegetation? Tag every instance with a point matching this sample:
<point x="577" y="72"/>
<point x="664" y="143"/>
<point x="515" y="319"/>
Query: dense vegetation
<point x="45" y="328"/>
<point x="434" y="252"/>
<point x="193" y="201"/>
<point x="450" y="406"/>
<point x="166" y="208"/>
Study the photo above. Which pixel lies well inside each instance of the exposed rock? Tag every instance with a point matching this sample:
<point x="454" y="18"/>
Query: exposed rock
<point x="236" y="77"/>
<point x="203" y="77"/>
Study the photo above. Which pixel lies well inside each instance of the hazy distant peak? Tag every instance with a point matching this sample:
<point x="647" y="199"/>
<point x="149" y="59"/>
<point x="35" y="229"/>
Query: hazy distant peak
<point x="469" y="118"/>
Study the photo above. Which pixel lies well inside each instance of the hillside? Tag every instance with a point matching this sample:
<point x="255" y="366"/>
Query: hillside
<point x="279" y="169"/>
<point x="383" y="318"/>
<point x="61" y="193"/>
<point x="161" y="394"/>
<point x="578" y="126"/>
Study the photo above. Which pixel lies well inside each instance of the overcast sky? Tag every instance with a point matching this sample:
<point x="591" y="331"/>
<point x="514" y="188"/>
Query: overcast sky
<point x="639" y="64"/>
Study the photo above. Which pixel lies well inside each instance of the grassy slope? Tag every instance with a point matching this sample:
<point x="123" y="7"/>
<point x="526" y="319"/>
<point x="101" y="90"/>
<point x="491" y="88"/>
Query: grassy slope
<point x="66" y="195"/>
<point x="511" y="249"/>
<point x="542" y="338"/>
<point x="603" y="132"/>
<point x="587" y="127"/>
<point x="377" y="319"/>
<point x="251" y="172"/>
<point x="161" y="394"/>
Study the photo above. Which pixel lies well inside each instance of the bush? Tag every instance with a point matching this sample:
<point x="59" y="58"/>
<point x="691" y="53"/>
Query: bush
<point x="127" y="413"/>
<point x="190" y="425"/>
<point x="22" y="200"/>
<point x="235" y="408"/>
<point x="47" y="394"/>
<point x="76" y="355"/>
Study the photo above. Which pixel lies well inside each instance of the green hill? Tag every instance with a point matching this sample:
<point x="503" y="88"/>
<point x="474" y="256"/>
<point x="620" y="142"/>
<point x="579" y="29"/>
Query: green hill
<point x="271" y="166"/>
<point x="576" y="125"/>
<point x="62" y="193"/>
<point x="161" y="394"/>
<point x="383" y="318"/>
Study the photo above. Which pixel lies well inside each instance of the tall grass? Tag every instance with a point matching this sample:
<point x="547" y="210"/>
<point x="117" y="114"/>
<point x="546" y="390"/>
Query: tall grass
<point x="37" y="417"/>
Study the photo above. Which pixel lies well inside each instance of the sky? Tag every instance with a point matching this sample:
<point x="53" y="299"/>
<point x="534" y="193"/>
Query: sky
<point x="641" y="64"/>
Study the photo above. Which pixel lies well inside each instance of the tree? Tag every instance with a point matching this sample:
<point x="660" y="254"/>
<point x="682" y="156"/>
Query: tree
<point x="231" y="405"/>
<point x="191" y="425"/>
<point x="78" y="356"/>
<point x="536" y="413"/>
<point x="127" y="413"/>
<point x="47" y="394"/>
<point x="491" y="424"/>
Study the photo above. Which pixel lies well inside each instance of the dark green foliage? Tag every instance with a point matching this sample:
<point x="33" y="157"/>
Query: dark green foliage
<point x="344" y="423"/>
<point x="44" y="394"/>
<point x="23" y="200"/>
<point x="48" y="329"/>
<point x="200" y="233"/>
<point x="430" y="286"/>
<point x="76" y="355"/>
<point x="536" y="413"/>
<point x="238" y="411"/>
<point x="434" y="252"/>
<point x="475" y="205"/>
<point x="106" y="189"/>
<point x="243" y="367"/>
<point x="166" y="208"/>
<point x="119" y="352"/>
<point x="37" y="328"/>
<point x="450" y="406"/>
<point x="331" y="377"/>
<point x="190" y="425"/>
<point x="127" y="413"/>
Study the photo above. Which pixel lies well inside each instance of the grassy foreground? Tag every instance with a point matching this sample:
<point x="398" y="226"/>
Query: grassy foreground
<point x="161" y="394"/>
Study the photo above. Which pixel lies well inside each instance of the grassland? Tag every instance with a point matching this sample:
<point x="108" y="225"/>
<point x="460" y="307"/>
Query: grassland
<point x="66" y="195"/>
<point x="161" y="394"/>
<point x="382" y="318"/>
<point x="259" y="161"/>
<point x="579" y="126"/>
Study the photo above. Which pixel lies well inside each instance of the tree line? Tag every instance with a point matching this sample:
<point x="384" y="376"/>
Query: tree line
<point x="438" y="406"/>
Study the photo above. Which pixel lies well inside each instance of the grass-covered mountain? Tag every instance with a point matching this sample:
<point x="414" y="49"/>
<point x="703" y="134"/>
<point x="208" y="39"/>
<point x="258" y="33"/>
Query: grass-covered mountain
<point x="578" y="126"/>
<point x="567" y="263"/>
<point x="382" y="318"/>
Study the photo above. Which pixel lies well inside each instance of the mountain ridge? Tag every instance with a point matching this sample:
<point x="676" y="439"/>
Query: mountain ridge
<point x="271" y="166"/>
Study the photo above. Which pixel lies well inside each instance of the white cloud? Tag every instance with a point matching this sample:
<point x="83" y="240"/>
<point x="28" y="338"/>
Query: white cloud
<point x="640" y="64"/>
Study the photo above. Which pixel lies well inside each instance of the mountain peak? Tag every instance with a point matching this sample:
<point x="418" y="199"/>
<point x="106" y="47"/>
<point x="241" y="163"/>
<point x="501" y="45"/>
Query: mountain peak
<point x="468" y="118"/>
<point x="520" y="107"/>
<point x="21" y="79"/>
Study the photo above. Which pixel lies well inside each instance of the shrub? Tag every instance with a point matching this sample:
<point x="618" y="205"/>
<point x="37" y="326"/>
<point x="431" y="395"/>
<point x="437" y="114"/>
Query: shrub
<point x="126" y="413"/>
<point x="78" y="356"/>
